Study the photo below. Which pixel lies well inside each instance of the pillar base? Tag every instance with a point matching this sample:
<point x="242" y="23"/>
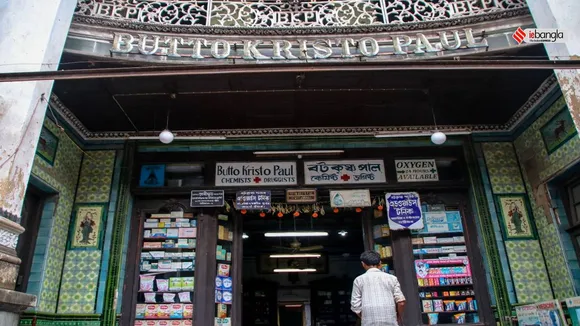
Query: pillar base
<point x="12" y="303"/>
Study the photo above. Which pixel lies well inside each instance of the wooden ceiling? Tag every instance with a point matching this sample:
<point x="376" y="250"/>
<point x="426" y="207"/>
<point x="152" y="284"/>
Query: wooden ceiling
<point x="285" y="100"/>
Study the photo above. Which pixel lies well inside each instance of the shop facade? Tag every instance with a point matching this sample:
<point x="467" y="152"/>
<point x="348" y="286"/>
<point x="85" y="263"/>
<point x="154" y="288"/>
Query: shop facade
<point x="109" y="232"/>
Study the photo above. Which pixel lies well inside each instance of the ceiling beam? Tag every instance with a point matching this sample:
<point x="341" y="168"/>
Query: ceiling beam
<point x="182" y="70"/>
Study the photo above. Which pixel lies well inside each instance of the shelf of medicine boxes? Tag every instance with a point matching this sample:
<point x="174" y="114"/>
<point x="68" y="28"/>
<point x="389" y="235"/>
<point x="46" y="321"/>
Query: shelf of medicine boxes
<point x="383" y="244"/>
<point x="448" y="299"/>
<point x="223" y="281"/>
<point x="168" y="253"/>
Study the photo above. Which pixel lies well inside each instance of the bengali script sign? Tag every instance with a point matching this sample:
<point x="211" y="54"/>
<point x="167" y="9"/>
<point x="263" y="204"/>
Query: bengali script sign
<point x="404" y="211"/>
<point x="431" y="268"/>
<point x="344" y="172"/>
<point x="254" y="200"/>
<point x="207" y="198"/>
<point x="255" y="174"/>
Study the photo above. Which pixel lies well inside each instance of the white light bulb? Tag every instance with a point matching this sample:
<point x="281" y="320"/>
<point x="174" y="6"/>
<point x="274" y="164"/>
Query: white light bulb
<point x="438" y="138"/>
<point x="166" y="136"/>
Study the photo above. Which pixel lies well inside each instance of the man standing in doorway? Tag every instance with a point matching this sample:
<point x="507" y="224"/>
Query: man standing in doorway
<point x="376" y="296"/>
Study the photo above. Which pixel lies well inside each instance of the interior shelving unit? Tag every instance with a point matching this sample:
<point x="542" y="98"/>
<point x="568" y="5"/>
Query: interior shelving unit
<point x="330" y="301"/>
<point x="167" y="269"/>
<point x="382" y="240"/>
<point x="223" y="280"/>
<point x="443" y="270"/>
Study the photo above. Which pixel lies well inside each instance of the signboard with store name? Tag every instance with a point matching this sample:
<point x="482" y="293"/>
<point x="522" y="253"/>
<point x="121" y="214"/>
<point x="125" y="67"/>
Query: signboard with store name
<point x="416" y="170"/>
<point x="244" y="174"/>
<point x="301" y="196"/>
<point x="404" y="211"/>
<point x="254" y="200"/>
<point x="344" y="172"/>
<point x="350" y="198"/>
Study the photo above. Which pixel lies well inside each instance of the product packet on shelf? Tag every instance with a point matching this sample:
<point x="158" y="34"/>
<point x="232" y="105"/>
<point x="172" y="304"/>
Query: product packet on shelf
<point x="140" y="323"/>
<point x="177" y="214"/>
<point x="219" y="283"/>
<point x="222" y="310"/>
<point x="187" y="323"/>
<point x="176" y="323"/>
<point x="163" y="311"/>
<point x="146" y="283"/>
<point x="187" y="232"/>
<point x="227" y="297"/>
<point x="218" y="296"/>
<point x="160" y="215"/>
<point x="172" y="233"/>
<point x="226" y="321"/>
<point x="227" y="283"/>
<point x="187" y="283"/>
<point x="164" y="323"/>
<point x="175" y="284"/>
<point x="151" y="311"/>
<point x="159" y="233"/>
<point x="223" y="270"/>
<point x="187" y="311"/>
<point x="140" y="311"/>
<point x="151" y="323"/>
<point x="185" y="297"/>
<point x="176" y="311"/>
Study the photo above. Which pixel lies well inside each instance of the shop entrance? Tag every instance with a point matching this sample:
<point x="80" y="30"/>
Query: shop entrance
<point x="298" y="268"/>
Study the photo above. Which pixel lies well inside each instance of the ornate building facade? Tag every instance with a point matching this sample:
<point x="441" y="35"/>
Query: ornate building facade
<point x="256" y="81"/>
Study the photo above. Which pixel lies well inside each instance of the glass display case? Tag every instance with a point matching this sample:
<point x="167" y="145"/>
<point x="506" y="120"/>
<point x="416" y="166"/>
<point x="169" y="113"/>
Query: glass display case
<point x="167" y="269"/>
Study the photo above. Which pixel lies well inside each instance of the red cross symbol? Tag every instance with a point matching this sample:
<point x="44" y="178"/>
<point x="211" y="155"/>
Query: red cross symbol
<point x="345" y="177"/>
<point x="257" y="179"/>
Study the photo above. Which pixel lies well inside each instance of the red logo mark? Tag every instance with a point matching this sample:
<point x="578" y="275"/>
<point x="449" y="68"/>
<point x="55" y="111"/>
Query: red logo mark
<point x="345" y="177"/>
<point x="257" y="179"/>
<point x="519" y="35"/>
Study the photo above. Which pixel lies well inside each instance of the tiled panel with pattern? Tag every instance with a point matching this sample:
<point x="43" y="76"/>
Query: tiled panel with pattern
<point x="505" y="176"/>
<point x="62" y="176"/>
<point x="548" y="232"/>
<point x="80" y="280"/>
<point x="80" y="277"/>
<point x="532" y="138"/>
<point x="528" y="271"/>
<point x="96" y="177"/>
<point x="503" y="168"/>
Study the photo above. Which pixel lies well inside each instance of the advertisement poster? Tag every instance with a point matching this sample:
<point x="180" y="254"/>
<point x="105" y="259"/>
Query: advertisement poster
<point x="431" y="268"/>
<point x="404" y="211"/>
<point x="573" y="305"/>
<point x="344" y="172"/>
<point x="442" y="222"/>
<point x="547" y="313"/>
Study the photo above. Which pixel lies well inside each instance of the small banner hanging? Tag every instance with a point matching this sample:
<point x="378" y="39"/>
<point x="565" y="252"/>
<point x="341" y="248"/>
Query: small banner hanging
<point x="350" y="198"/>
<point x="404" y="211"/>
<point x="254" y="200"/>
<point x="416" y="170"/>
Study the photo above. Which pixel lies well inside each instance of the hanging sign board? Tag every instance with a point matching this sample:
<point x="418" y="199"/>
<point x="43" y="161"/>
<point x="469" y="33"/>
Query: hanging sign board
<point x="238" y="174"/>
<point x="404" y="211"/>
<point x="416" y="170"/>
<point x="344" y="172"/>
<point x="301" y="196"/>
<point x="350" y="198"/>
<point x="207" y="198"/>
<point x="254" y="200"/>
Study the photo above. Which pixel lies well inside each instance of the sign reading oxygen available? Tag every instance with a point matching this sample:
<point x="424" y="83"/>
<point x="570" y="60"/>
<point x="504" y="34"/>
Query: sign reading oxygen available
<point x="255" y="174"/>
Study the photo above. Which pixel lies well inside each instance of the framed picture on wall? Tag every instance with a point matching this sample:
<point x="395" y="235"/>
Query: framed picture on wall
<point x="514" y="215"/>
<point x="88" y="225"/>
<point x="47" y="145"/>
<point x="558" y="130"/>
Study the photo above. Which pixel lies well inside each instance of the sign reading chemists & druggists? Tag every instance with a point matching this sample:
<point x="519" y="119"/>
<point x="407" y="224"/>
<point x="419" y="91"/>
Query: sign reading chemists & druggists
<point x="255" y="174"/>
